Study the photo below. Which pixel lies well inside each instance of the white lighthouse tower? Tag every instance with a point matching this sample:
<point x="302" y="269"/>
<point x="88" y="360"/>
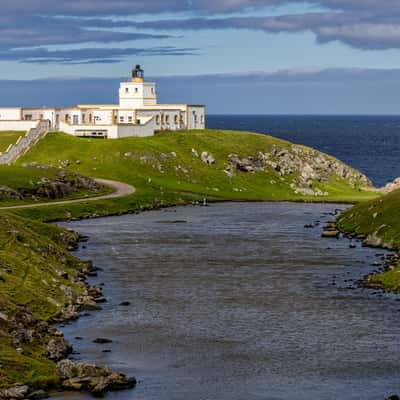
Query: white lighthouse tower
<point x="137" y="93"/>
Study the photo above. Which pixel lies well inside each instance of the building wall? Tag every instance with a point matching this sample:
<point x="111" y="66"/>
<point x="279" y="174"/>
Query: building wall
<point x="166" y="119"/>
<point x="135" y="94"/>
<point x="144" y="130"/>
<point x="18" y="125"/>
<point x="110" y="131"/>
<point x="102" y="117"/>
<point x="36" y="114"/>
<point x="10" y="114"/>
<point x="196" y="117"/>
<point x="89" y="130"/>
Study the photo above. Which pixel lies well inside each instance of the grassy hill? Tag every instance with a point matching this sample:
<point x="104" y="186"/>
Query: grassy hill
<point x="9" y="137"/>
<point x="168" y="169"/>
<point x="378" y="221"/>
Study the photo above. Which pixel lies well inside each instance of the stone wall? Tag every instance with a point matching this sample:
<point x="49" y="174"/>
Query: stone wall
<point x="25" y="143"/>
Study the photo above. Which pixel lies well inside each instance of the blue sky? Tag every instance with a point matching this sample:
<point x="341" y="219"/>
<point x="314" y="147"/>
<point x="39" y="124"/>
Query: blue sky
<point x="318" y="56"/>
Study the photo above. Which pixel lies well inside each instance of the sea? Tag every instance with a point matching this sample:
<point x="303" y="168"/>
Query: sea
<point x="368" y="143"/>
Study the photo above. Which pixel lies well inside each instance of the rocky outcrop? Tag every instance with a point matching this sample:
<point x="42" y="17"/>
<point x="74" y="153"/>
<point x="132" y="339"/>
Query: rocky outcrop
<point x="63" y="184"/>
<point x="391" y="187"/>
<point x="7" y="193"/>
<point x="306" y="167"/>
<point x="92" y="378"/>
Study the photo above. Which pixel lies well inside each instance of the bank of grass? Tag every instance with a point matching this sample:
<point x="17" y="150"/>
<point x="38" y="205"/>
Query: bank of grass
<point x="17" y="177"/>
<point x="378" y="221"/>
<point x="31" y="256"/>
<point x="165" y="170"/>
<point x="9" y="137"/>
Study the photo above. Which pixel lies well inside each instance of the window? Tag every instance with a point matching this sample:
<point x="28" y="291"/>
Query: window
<point x="66" y="117"/>
<point x="121" y="119"/>
<point x="162" y="119"/>
<point x="138" y="122"/>
<point x="152" y="90"/>
<point x="167" y="119"/>
<point x="136" y="90"/>
<point x="83" y="118"/>
<point x="28" y="117"/>
<point x="176" y="119"/>
<point x="126" y="90"/>
<point x="41" y="116"/>
<point x="157" y="119"/>
<point x="130" y="118"/>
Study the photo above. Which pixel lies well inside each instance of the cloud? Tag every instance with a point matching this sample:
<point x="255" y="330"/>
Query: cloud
<point x="27" y="32"/>
<point x="33" y="26"/>
<point x="360" y="31"/>
<point x="89" y="55"/>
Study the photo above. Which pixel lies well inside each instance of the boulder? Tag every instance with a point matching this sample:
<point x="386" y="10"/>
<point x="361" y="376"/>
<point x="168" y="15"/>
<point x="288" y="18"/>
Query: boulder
<point x="58" y="349"/>
<point x="14" y="393"/>
<point x="207" y="158"/>
<point x="92" y="378"/>
<point x="102" y="341"/>
<point x="330" y="234"/>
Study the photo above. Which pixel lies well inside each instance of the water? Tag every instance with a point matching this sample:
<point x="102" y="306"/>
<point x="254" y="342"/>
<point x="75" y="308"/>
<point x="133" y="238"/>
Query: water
<point x="240" y="302"/>
<point x="370" y="144"/>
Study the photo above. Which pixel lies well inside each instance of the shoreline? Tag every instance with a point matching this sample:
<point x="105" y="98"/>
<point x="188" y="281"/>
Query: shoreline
<point x="389" y="262"/>
<point x="94" y="295"/>
<point x="76" y="376"/>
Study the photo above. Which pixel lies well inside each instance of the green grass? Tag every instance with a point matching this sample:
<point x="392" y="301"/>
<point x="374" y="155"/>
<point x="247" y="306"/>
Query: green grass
<point x="9" y="137"/>
<point x="17" y="177"/>
<point x="163" y="178"/>
<point x="35" y="253"/>
<point x="379" y="221"/>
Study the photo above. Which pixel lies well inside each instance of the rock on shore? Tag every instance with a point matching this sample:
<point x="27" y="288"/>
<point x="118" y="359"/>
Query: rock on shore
<point x="92" y="378"/>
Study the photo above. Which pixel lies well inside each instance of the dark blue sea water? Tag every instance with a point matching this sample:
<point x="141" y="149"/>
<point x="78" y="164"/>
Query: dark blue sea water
<point x="368" y="143"/>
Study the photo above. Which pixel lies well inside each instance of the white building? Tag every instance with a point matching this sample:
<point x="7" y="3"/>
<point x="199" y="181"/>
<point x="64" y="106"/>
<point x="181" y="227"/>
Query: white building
<point x="138" y="114"/>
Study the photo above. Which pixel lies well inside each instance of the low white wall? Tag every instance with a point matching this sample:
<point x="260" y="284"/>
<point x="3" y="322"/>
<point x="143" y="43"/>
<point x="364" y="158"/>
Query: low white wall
<point x="137" y="130"/>
<point x="18" y="125"/>
<point x="112" y="131"/>
<point x="10" y="114"/>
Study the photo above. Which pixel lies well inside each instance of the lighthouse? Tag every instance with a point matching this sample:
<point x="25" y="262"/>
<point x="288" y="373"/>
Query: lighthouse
<point x="137" y="92"/>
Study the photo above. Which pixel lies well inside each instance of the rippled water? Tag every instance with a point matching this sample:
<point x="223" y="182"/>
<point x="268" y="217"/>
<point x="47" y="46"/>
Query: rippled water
<point x="237" y="301"/>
